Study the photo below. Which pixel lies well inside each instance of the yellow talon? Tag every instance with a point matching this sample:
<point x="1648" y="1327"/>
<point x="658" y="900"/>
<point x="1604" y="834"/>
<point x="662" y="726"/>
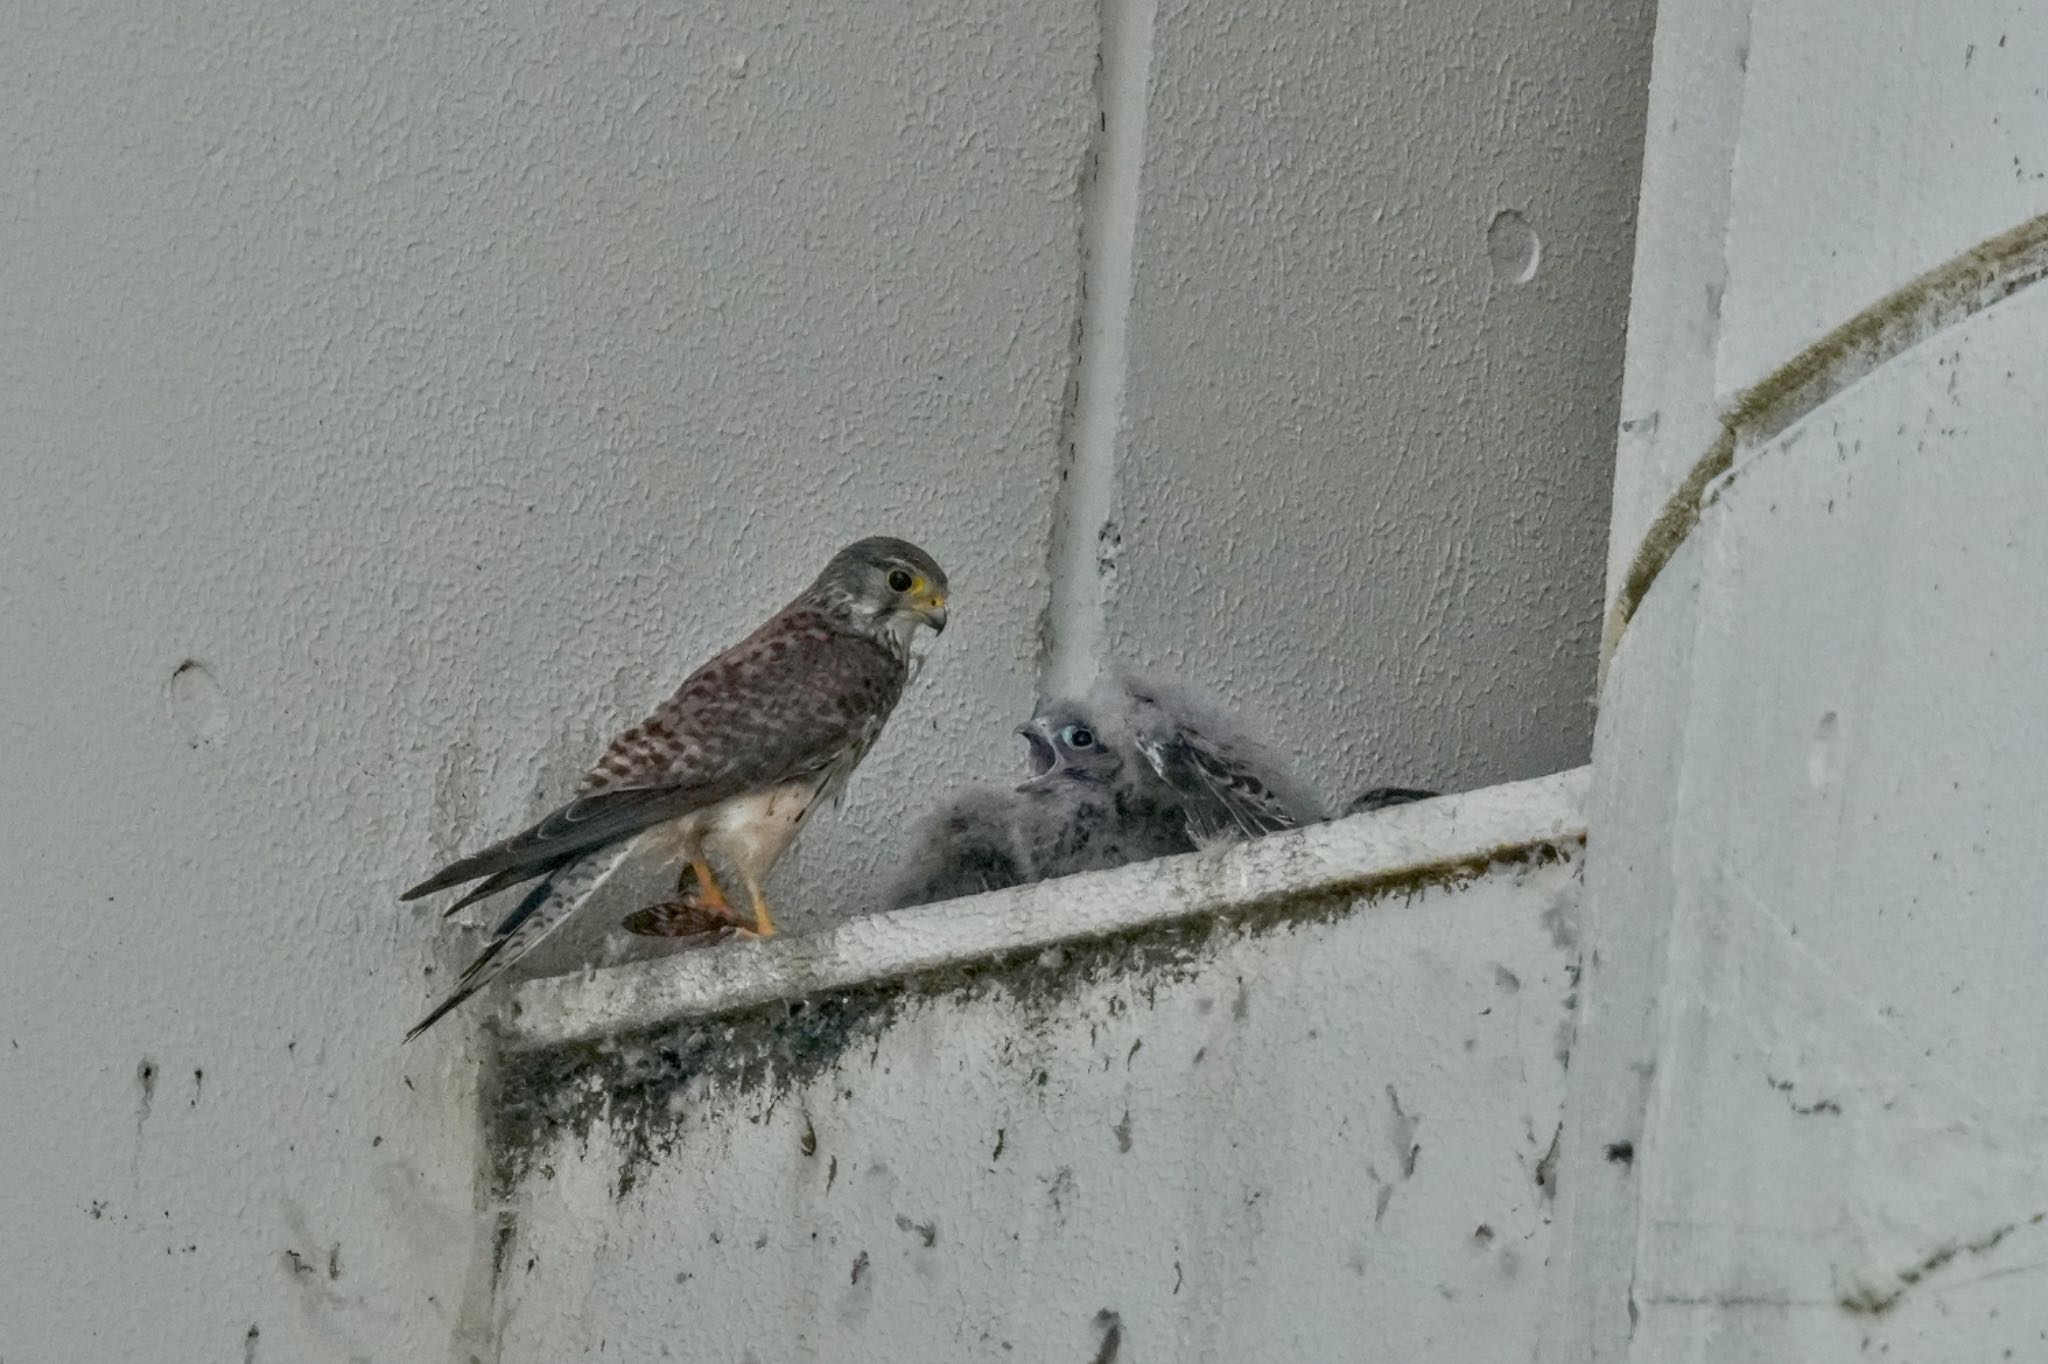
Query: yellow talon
<point x="764" y="922"/>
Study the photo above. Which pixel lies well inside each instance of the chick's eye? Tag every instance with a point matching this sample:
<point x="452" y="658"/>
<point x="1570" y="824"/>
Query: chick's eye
<point x="1079" y="736"/>
<point x="899" y="581"/>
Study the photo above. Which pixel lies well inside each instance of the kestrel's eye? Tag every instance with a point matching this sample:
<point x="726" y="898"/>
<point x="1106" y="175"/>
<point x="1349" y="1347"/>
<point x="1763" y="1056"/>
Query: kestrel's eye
<point x="1078" y="736"/>
<point x="900" y="581"/>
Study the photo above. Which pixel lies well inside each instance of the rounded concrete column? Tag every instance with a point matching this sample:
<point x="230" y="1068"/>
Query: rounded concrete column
<point x="1809" y="1117"/>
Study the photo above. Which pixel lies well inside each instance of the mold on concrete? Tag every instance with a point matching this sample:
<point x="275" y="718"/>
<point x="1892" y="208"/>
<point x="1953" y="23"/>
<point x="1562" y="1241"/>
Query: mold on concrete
<point x="970" y="1118"/>
<point x="639" y="1083"/>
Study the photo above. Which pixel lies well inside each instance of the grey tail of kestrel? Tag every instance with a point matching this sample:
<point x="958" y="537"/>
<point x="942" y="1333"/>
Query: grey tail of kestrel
<point x="539" y="913"/>
<point x="584" y="825"/>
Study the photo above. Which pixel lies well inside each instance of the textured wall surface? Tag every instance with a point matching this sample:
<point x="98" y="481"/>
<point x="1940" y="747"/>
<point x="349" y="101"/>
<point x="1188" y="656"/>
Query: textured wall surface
<point x="440" y="384"/>
<point x="1322" y="1129"/>
<point x="1381" y="274"/>
<point x="1811" y="1006"/>
<point x="399" y="399"/>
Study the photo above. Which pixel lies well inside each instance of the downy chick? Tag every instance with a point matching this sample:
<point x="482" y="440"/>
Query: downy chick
<point x="1088" y="805"/>
<point x="1230" y="786"/>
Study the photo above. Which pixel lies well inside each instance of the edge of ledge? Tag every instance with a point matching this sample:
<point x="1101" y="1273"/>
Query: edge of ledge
<point x="1353" y="856"/>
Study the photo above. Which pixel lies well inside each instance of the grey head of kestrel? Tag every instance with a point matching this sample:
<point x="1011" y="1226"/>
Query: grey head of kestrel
<point x="727" y="767"/>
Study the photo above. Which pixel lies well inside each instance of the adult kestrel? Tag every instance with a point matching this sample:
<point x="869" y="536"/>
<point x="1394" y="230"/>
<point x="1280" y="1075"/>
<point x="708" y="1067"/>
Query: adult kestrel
<point x="729" y="765"/>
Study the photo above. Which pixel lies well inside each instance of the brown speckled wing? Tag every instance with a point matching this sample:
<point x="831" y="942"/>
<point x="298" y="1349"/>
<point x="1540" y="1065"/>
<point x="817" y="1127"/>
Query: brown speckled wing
<point x="790" y="699"/>
<point x="800" y="696"/>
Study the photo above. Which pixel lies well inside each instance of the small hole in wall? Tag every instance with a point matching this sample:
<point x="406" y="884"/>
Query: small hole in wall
<point x="1513" y="248"/>
<point x="197" y="704"/>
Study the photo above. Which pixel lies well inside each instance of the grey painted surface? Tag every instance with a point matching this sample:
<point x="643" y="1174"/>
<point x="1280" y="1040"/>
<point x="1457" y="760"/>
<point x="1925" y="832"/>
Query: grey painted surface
<point x="397" y="400"/>
<point x="1323" y="1132"/>
<point x="1813" y="926"/>
<point x="1814" y="898"/>
<point x="1626" y="929"/>
<point x="1933" y="148"/>
<point x="1360" y="453"/>
<point x="445" y="382"/>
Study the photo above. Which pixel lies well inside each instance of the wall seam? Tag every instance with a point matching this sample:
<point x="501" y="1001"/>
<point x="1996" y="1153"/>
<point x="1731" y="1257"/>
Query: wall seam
<point x="1083" y="546"/>
<point x="1944" y="297"/>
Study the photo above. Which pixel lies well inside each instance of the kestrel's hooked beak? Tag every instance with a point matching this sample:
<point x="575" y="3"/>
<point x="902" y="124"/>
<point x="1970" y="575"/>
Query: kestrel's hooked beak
<point x="932" y="609"/>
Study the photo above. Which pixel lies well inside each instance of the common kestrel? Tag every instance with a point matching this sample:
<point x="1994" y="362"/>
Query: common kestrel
<point x="729" y="765"/>
<point x="1091" y="803"/>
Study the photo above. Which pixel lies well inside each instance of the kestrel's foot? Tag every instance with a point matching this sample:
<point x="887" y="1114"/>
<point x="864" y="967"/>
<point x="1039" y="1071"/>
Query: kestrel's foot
<point x="764" y="922"/>
<point x="700" y="887"/>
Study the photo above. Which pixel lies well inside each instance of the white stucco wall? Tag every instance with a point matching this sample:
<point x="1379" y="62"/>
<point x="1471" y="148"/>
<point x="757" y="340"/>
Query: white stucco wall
<point x="444" y="382"/>
<point x="1381" y="263"/>
<point x="398" y="399"/>
<point x="1805" y="1118"/>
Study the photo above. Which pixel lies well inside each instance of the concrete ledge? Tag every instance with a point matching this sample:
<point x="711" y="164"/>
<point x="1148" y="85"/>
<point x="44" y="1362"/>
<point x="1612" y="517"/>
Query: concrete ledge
<point x="1384" y="851"/>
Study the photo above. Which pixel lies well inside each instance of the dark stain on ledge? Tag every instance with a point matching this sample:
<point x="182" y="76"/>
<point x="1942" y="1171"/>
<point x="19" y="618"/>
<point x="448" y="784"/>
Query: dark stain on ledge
<point x="1987" y="274"/>
<point x="145" y="1077"/>
<point x="927" y="1232"/>
<point x="1546" y="1168"/>
<point x="1819" y="1108"/>
<point x="1871" y="1302"/>
<point x="1112" y="1328"/>
<point x="636" y="1083"/>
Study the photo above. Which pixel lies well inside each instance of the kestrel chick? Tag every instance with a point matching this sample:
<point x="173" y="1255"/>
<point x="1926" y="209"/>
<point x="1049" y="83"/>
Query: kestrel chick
<point x="1090" y="804"/>
<point x="1230" y="785"/>
<point x="965" y="847"/>
<point x="729" y="765"/>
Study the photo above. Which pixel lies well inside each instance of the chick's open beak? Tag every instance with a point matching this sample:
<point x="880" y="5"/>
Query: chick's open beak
<point x="1042" y="758"/>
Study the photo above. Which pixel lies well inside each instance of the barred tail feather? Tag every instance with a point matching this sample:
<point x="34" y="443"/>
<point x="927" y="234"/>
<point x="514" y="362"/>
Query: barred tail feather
<point x="544" y="909"/>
